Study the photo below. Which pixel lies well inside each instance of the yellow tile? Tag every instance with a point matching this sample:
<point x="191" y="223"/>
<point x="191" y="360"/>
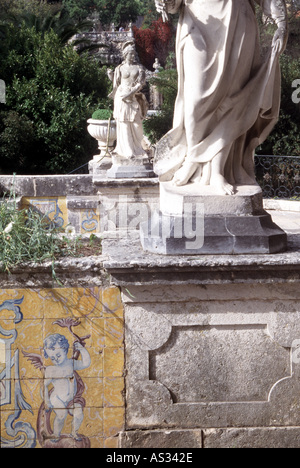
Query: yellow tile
<point x="113" y="422"/>
<point x="26" y="417"/>
<point x="57" y="303"/>
<point x="114" y="391"/>
<point x="114" y="332"/>
<point x="8" y="294"/>
<point x="33" y="389"/>
<point x="32" y="305"/>
<point x="97" y="442"/>
<point x="30" y="335"/>
<point x="96" y="368"/>
<point x="103" y="379"/>
<point x="113" y="362"/>
<point x="111" y="442"/>
<point x="54" y="208"/>
<point x="112" y="303"/>
<point x="93" y="394"/>
<point x="87" y="302"/>
<point x="98" y="333"/>
<point x="89" y="221"/>
<point x="92" y="425"/>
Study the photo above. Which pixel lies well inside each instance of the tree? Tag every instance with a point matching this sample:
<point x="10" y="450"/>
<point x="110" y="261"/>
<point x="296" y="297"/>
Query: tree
<point x="51" y="92"/>
<point x="110" y="11"/>
<point x="17" y="7"/>
<point x="158" y="125"/>
<point x="154" y="42"/>
<point x="148" y="10"/>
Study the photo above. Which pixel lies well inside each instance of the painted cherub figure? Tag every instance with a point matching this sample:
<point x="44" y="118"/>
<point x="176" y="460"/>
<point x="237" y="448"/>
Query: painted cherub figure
<point x="62" y="380"/>
<point x="63" y="387"/>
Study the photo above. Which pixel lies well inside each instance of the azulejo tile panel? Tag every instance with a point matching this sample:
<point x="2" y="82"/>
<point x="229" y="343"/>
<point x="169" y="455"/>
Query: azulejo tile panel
<point x="83" y="215"/>
<point x="53" y="208"/>
<point x="61" y="368"/>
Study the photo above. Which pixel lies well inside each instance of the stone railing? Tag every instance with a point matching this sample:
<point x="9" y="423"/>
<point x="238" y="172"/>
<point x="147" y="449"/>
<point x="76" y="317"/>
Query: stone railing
<point x="110" y="44"/>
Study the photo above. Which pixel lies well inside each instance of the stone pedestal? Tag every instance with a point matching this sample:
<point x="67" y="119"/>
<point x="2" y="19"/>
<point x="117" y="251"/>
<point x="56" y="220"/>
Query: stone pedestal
<point x="99" y="166"/>
<point x="125" y="203"/>
<point x="130" y="168"/>
<point x="191" y="223"/>
<point x="212" y="356"/>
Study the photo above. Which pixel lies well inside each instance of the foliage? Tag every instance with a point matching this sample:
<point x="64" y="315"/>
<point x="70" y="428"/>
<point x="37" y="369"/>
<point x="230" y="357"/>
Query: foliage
<point x="17" y="140"/>
<point x="102" y="114"/>
<point x="110" y="11"/>
<point x="148" y="10"/>
<point x="285" y="138"/>
<point x="153" y="42"/>
<point x="53" y="91"/>
<point x="158" y="125"/>
<point x="40" y="8"/>
<point x="27" y="236"/>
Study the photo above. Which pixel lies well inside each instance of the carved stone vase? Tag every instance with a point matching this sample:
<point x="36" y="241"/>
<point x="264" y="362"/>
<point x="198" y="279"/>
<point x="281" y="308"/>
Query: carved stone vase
<point x="105" y="133"/>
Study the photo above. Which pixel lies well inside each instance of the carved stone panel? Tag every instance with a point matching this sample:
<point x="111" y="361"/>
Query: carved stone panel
<point x="212" y="357"/>
<point x="219" y="364"/>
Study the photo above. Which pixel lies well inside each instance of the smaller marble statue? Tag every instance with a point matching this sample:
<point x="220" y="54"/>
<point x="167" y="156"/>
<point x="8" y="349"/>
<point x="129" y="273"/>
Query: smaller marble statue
<point x="130" y="105"/>
<point x="130" y="108"/>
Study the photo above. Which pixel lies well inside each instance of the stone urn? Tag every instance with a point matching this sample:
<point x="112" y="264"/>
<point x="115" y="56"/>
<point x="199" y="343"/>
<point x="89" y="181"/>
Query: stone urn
<point x="105" y="132"/>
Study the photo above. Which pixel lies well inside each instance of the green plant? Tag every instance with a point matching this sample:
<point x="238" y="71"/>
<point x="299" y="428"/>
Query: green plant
<point x="50" y="94"/>
<point x="157" y="126"/>
<point x="28" y="236"/>
<point x="102" y="114"/>
<point x="110" y="11"/>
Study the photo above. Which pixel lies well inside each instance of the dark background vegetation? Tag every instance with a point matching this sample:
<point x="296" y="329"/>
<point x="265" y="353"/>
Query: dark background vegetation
<point x="52" y="88"/>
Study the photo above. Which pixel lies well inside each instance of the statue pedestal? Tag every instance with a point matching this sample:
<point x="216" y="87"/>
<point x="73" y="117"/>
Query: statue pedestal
<point x="100" y="165"/>
<point x="130" y="168"/>
<point x="195" y="221"/>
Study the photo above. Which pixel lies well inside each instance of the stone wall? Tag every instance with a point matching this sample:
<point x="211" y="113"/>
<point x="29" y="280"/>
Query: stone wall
<point x="174" y="351"/>
<point x="211" y="348"/>
<point x="91" y="204"/>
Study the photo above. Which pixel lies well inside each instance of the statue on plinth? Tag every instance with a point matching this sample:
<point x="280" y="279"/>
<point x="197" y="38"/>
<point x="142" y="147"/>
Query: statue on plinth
<point x="228" y="96"/>
<point x="130" y="109"/>
<point x="227" y="104"/>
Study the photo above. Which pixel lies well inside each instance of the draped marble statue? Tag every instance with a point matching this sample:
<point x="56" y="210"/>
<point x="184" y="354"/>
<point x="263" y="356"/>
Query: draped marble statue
<point x="228" y="96"/>
<point x="132" y="155"/>
<point x="130" y="105"/>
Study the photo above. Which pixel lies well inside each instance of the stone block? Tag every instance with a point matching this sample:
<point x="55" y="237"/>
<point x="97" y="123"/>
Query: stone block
<point x="130" y="172"/>
<point x="192" y="222"/>
<point x="256" y="437"/>
<point x="217" y="235"/>
<point x="200" y="356"/>
<point x="176" y="439"/>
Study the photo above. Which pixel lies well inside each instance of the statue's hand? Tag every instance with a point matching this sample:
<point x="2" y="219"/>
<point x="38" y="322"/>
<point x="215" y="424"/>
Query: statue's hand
<point x="160" y="6"/>
<point x="280" y="39"/>
<point x="110" y="74"/>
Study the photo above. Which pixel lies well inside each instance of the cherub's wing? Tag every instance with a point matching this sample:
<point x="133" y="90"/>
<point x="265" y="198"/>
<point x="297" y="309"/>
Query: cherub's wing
<point x="35" y="359"/>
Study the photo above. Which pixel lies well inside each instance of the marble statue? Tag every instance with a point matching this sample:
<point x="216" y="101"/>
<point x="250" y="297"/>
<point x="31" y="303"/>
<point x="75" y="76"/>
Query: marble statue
<point x="228" y="96"/>
<point x="130" y="105"/>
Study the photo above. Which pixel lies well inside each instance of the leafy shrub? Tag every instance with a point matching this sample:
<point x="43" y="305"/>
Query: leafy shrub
<point x="52" y="91"/>
<point x="285" y="137"/>
<point x="102" y="114"/>
<point x="158" y="125"/>
<point x="17" y="140"/>
<point x="153" y="42"/>
<point x="27" y="236"/>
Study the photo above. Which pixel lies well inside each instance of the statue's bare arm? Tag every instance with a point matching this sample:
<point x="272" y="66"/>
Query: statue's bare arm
<point x="276" y="9"/>
<point x="168" y="6"/>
